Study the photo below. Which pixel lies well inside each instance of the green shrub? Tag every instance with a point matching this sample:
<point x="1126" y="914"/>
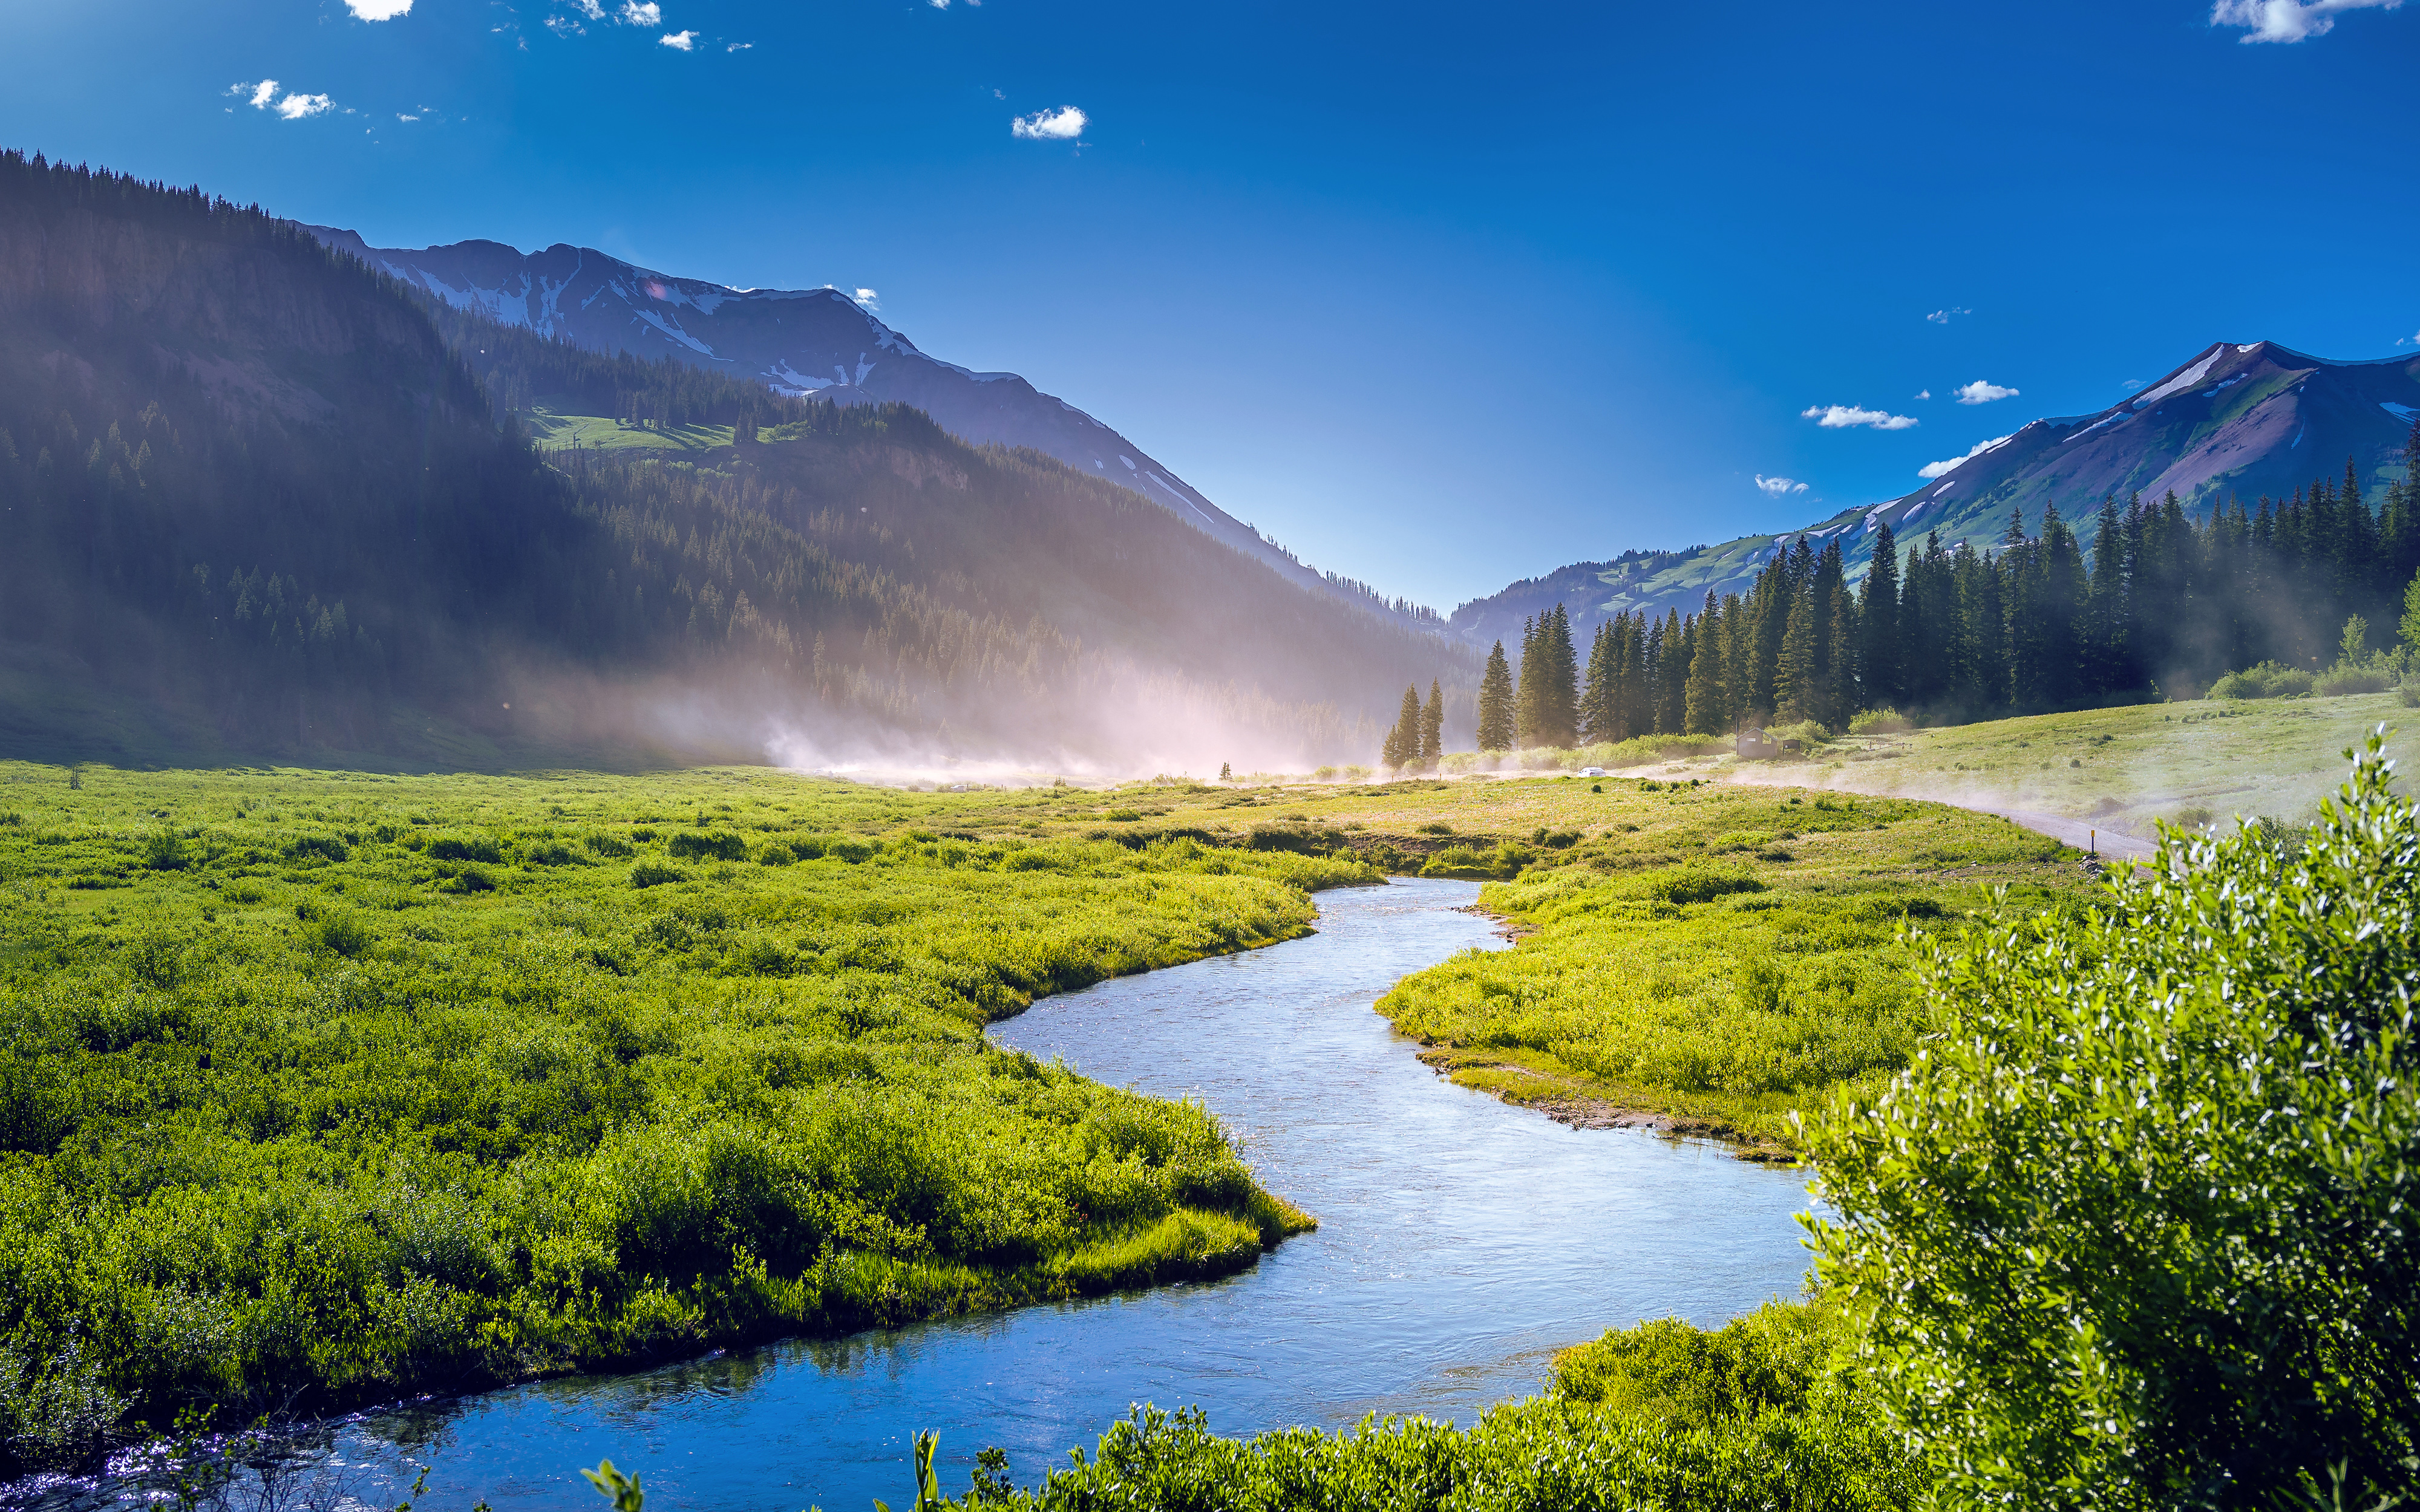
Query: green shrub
<point x="611" y="847"/>
<point x="2268" y="680"/>
<point x="2137" y="1229"/>
<point x="2341" y="681"/>
<point x="464" y="848"/>
<point x="1700" y="884"/>
<point x="316" y="847"/>
<point x="718" y="844"/>
<point x="1807" y="733"/>
<point x="655" y="874"/>
<point x="165" y="852"/>
<point x="343" y="934"/>
<point x="848" y="848"/>
<point x="1879" y="722"/>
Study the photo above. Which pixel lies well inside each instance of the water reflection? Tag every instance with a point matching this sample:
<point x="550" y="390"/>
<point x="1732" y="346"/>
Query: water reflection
<point x="1461" y="1242"/>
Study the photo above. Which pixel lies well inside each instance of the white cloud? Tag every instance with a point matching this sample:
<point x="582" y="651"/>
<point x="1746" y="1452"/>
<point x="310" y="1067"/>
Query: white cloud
<point x="302" y="107"/>
<point x="2287" y="20"/>
<point x="2131" y="385"/>
<point x="1981" y="391"/>
<point x="378" y="9"/>
<point x="868" y="298"/>
<point x="1065" y="124"/>
<point x="1934" y="469"/>
<point x="1941" y="317"/>
<point x="1779" y="486"/>
<point x="680" y="42"/>
<point x="593" y="10"/>
<point x="1924" y="394"/>
<point x="1842" y="416"/>
<point x="263" y="93"/>
<point x="641" y="13"/>
<point x="737" y="47"/>
<point x="564" y="26"/>
<point x="406" y="119"/>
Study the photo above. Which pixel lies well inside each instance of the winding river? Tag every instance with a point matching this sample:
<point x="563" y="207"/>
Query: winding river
<point x="1460" y="1242"/>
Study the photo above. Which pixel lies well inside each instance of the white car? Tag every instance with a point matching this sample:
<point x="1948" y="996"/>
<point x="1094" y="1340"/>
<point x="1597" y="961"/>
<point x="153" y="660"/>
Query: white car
<point x="1591" y="771"/>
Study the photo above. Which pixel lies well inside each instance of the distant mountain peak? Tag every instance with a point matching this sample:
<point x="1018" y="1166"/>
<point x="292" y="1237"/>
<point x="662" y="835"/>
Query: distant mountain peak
<point x="818" y="342"/>
<point x="2235" y="419"/>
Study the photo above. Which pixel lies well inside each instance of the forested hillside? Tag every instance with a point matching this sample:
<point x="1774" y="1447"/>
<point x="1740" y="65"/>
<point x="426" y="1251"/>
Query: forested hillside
<point x="269" y="500"/>
<point x="2156" y="603"/>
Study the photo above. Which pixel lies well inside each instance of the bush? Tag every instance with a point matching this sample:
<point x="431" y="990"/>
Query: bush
<point x="2345" y="679"/>
<point x="2270" y="680"/>
<point x="1879" y="722"/>
<point x="323" y="847"/>
<point x="2185" y="1129"/>
<point x="722" y="845"/>
<point x="655" y="874"/>
<point x="165" y="852"/>
<point x="342" y="933"/>
<point x="1701" y="884"/>
<point x="1807" y="733"/>
<point x="464" y="848"/>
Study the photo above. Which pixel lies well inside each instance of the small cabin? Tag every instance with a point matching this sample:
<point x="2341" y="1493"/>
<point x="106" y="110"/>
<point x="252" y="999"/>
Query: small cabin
<point x="1753" y="746"/>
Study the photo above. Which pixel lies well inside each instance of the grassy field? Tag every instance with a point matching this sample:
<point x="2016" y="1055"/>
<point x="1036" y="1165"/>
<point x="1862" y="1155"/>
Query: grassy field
<point x="2124" y="768"/>
<point x="1713" y="959"/>
<point x="346" y="1084"/>
<point x="358" y="1083"/>
<point x="597" y="433"/>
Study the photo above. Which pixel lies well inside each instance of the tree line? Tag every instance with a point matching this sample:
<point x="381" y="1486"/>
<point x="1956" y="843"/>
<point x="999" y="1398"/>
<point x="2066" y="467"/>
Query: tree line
<point x="2161" y="604"/>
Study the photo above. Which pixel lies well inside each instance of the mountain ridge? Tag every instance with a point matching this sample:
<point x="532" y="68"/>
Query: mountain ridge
<point x="2234" y="419"/>
<point x="803" y="343"/>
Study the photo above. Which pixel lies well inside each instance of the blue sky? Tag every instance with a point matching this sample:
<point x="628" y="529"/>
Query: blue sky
<point x="1440" y="296"/>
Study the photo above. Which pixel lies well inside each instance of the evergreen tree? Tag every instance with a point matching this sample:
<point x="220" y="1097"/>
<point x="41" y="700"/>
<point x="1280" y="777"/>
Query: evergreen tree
<point x="1557" y="693"/>
<point x="1403" y="746"/>
<point x="1702" y="708"/>
<point x="1495" y="695"/>
<point x="1526" y="710"/>
<point x="1433" y="725"/>
<point x="1600" y="712"/>
<point x="1878" y="649"/>
<point x="1794" y="690"/>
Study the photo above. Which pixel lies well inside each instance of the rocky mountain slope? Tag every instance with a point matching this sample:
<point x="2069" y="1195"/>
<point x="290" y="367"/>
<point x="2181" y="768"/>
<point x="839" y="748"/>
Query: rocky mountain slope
<point x="816" y="341"/>
<point x="2236" y="420"/>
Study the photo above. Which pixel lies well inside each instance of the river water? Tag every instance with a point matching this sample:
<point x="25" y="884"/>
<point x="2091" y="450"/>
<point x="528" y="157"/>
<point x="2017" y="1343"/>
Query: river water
<point x="1460" y="1242"/>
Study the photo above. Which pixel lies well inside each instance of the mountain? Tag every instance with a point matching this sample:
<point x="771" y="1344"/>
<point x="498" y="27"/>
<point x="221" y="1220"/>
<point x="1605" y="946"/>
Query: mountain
<point x="806" y="342"/>
<point x="259" y="497"/>
<point x="2234" y="421"/>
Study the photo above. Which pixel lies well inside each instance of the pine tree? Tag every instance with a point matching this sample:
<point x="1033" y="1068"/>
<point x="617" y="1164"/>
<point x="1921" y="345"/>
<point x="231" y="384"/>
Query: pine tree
<point x="1403" y="746"/>
<point x="1702" y="711"/>
<point x="1495" y="730"/>
<point x="1433" y="726"/>
<point x="1556" y="690"/>
<point x="1878" y="649"/>
<point x="1794" y="690"/>
<point x="1841" y="693"/>
<point x="1599" y="697"/>
<point x="1526" y="712"/>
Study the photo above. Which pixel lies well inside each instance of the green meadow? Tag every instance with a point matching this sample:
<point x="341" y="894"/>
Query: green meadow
<point x="323" y="1086"/>
<point x="320" y="1087"/>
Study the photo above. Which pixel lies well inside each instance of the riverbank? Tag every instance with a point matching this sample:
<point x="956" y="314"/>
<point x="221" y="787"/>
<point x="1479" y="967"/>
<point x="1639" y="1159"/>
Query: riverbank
<point x="1716" y="961"/>
<point x="334" y="1087"/>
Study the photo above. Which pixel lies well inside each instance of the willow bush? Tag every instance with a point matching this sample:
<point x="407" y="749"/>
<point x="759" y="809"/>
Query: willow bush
<point x="2136" y="1227"/>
